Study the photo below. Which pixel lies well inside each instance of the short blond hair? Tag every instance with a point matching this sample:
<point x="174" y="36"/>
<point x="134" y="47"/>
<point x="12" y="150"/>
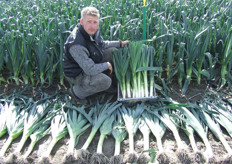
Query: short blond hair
<point x="89" y="11"/>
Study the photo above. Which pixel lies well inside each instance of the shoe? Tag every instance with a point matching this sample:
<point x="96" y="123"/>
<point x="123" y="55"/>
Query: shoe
<point x="75" y="99"/>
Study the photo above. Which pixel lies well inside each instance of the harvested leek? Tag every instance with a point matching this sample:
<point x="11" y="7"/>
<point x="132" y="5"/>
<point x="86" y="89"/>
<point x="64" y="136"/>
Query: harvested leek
<point x="43" y="129"/>
<point x="158" y="129"/>
<point x="105" y="129"/>
<point x="76" y="125"/>
<point x="14" y="124"/>
<point x="134" y="70"/>
<point x="193" y="120"/>
<point x="33" y="119"/>
<point x="131" y="118"/>
<point x="3" y="129"/>
<point x="58" y="131"/>
<point x="213" y="127"/>
<point x="101" y="112"/>
<point x="173" y="126"/>
<point x="119" y="133"/>
<point x="145" y="130"/>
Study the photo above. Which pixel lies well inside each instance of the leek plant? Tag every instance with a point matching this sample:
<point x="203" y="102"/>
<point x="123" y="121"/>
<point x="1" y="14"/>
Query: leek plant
<point x="220" y="111"/>
<point x="158" y="130"/>
<point x="77" y="125"/>
<point x="101" y="112"/>
<point x="214" y="127"/>
<point x="119" y="133"/>
<point x="43" y="130"/>
<point x="134" y="69"/>
<point x="131" y="118"/>
<point x="205" y="40"/>
<point x="14" y="59"/>
<point x="173" y="126"/>
<point x="121" y="69"/>
<point x="145" y="130"/>
<point x="181" y="69"/>
<point x="3" y="117"/>
<point x="226" y="58"/>
<point x="189" y="131"/>
<point x="135" y="51"/>
<point x="33" y="119"/>
<point x="27" y="70"/>
<point x="193" y="44"/>
<point x="105" y="129"/>
<point x="194" y="121"/>
<point x="170" y="53"/>
<point x="14" y="124"/>
<point x="58" y="131"/>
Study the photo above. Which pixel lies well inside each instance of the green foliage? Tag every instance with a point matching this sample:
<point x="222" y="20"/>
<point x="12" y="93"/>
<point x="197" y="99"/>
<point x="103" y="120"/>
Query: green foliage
<point x="191" y="37"/>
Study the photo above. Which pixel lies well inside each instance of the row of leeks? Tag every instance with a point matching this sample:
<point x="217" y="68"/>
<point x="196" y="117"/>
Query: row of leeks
<point x="122" y="121"/>
<point x="134" y="69"/>
<point x="27" y="117"/>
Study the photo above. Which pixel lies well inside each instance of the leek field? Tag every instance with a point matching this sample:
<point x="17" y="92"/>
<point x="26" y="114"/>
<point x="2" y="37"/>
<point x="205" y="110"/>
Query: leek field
<point x="185" y="57"/>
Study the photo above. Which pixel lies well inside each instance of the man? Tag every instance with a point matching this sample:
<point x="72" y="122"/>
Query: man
<point x="87" y="57"/>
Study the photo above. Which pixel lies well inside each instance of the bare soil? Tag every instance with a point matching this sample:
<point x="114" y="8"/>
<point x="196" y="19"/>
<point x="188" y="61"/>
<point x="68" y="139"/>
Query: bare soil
<point x="59" y="154"/>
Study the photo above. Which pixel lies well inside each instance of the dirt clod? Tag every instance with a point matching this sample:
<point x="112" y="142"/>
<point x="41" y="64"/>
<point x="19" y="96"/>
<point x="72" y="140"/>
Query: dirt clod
<point x="99" y="159"/>
<point x="69" y="159"/>
<point x="44" y="160"/>
<point x="116" y="159"/>
<point x="183" y="157"/>
<point x="163" y="158"/>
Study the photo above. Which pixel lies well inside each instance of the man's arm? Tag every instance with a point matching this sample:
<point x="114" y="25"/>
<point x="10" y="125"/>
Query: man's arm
<point x="116" y="44"/>
<point x="81" y="55"/>
<point x="108" y="44"/>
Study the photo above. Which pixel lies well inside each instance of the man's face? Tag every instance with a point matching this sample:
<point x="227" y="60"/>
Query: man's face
<point x="90" y="24"/>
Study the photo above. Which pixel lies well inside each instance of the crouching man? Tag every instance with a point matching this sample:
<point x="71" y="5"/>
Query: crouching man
<point x="87" y="57"/>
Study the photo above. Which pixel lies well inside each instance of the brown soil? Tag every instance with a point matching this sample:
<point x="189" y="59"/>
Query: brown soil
<point x="172" y="154"/>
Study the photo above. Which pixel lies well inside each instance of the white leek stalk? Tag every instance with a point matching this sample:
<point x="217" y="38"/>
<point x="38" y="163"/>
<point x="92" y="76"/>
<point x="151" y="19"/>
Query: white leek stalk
<point x="157" y="128"/>
<point x="77" y="125"/>
<point x="145" y="130"/>
<point x="58" y="131"/>
<point x="32" y="121"/>
<point x="14" y="124"/>
<point x="190" y="133"/>
<point x="43" y="130"/>
<point x="131" y="118"/>
<point x="105" y="129"/>
<point x="171" y="126"/>
<point x="3" y="117"/>
<point x="119" y="133"/>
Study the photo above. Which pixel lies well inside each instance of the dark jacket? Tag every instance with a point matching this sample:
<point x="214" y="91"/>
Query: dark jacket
<point x="79" y="36"/>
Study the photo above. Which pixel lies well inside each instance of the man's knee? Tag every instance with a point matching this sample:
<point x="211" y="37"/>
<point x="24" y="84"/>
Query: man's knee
<point x="102" y="82"/>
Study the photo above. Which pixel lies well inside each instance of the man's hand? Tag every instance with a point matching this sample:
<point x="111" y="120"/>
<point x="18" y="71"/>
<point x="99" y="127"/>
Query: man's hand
<point x="123" y="43"/>
<point x="110" y="67"/>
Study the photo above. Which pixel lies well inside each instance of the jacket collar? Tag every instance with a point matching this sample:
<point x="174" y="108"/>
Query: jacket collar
<point x="95" y="38"/>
